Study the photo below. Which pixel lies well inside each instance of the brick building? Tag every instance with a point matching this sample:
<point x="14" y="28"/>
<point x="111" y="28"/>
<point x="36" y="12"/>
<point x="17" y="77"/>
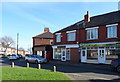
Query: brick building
<point x="93" y="38"/>
<point x="42" y="44"/>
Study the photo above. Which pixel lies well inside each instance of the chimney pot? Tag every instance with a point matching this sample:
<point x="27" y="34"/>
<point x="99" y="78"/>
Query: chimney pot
<point x="46" y="29"/>
<point x="86" y="17"/>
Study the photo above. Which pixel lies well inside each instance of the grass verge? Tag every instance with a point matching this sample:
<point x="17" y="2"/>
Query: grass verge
<point x="21" y="73"/>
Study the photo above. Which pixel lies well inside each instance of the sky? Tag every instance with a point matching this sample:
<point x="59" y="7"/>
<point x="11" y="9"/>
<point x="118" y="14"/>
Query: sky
<point x="29" y="18"/>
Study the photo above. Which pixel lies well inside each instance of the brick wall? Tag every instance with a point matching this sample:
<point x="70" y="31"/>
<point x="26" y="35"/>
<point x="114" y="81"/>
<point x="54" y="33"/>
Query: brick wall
<point x="81" y="36"/>
<point x="74" y="55"/>
<point x="38" y="41"/>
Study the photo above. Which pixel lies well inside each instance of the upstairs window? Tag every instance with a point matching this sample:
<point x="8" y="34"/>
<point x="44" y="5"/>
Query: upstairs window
<point x="58" y="37"/>
<point x="71" y="35"/>
<point x="112" y="31"/>
<point x="92" y="33"/>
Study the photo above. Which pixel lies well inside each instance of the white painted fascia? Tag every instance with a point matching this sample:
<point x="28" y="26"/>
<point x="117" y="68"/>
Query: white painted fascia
<point x="67" y="45"/>
<point x="102" y="43"/>
<point x="91" y="28"/>
<point x="57" y="33"/>
<point x="71" y="31"/>
<point x="111" y="25"/>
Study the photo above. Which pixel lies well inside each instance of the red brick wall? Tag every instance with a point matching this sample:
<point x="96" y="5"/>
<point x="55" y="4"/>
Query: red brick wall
<point x="102" y="35"/>
<point x="38" y="41"/>
<point x="81" y="36"/>
<point x="74" y="55"/>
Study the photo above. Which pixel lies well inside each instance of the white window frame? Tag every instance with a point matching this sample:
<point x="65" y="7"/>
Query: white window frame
<point x="73" y="38"/>
<point x="111" y="34"/>
<point x="68" y="54"/>
<point x="58" y="39"/>
<point x="95" y="33"/>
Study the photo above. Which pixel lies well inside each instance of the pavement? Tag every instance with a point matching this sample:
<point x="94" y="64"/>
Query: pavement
<point x="76" y="71"/>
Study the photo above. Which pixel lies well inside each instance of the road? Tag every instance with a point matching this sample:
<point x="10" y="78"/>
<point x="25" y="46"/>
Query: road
<point x="85" y="72"/>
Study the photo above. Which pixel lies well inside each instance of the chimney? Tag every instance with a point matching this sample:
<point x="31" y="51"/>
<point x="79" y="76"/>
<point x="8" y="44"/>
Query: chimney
<point x="86" y="17"/>
<point x="46" y="29"/>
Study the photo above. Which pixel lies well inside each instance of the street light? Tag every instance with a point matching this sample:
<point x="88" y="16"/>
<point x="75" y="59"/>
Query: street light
<point x="17" y="42"/>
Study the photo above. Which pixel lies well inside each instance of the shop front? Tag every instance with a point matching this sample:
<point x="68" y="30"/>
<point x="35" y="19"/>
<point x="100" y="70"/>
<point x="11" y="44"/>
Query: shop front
<point x="99" y="54"/>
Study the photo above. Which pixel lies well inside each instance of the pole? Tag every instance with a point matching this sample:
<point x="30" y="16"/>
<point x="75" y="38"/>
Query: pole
<point x="12" y="64"/>
<point x="39" y="66"/>
<point x="17" y="42"/>
<point x="54" y="68"/>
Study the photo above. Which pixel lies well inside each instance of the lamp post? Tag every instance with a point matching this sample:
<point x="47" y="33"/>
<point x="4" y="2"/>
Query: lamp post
<point x="17" y="42"/>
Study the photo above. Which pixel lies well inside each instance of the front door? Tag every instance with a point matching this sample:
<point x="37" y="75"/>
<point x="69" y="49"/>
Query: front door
<point x="63" y="58"/>
<point x="84" y="55"/>
<point x="101" y="55"/>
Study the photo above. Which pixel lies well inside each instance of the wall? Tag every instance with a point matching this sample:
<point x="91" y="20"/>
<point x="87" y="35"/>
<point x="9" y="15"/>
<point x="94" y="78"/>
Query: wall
<point x="38" y="41"/>
<point x="74" y="55"/>
<point x="81" y="36"/>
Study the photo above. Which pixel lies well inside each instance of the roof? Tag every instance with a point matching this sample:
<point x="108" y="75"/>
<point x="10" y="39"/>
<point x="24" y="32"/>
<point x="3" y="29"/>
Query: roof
<point x="99" y="20"/>
<point x="105" y="19"/>
<point x="46" y="35"/>
<point x="75" y="26"/>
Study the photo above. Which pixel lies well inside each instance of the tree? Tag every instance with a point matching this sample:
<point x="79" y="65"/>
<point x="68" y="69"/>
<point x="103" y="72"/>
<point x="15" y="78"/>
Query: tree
<point x="6" y="42"/>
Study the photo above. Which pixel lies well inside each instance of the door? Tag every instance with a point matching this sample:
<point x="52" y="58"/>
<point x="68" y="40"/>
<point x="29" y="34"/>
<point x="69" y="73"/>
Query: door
<point x="84" y="55"/>
<point x="63" y="58"/>
<point x="101" y="55"/>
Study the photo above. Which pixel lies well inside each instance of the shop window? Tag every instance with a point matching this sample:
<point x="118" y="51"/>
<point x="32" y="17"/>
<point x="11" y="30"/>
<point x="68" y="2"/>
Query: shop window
<point x="92" y="54"/>
<point x="112" y="54"/>
<point x="58" y="53"/>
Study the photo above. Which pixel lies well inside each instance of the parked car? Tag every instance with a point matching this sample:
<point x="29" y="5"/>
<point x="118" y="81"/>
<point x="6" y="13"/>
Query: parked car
<point x="116" y="64"/>
<point x="35" y="59"/>
<point x="13" y="57"/>
<point x="3" y="55"/>
<point x="20" y="55"/>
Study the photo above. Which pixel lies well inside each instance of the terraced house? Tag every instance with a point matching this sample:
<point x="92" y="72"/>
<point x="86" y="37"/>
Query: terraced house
<point x="93" y="38"/>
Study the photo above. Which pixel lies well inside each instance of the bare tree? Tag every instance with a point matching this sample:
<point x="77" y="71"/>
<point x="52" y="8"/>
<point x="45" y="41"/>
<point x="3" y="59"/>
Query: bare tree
<point x="21" y="48"/>
<point x="6" y="42"/>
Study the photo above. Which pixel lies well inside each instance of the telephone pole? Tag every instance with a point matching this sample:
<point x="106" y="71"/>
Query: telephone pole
<point x="17" y="42"/>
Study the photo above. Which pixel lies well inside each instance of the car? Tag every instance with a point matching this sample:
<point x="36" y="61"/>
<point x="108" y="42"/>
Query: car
<point x="116" y="64"/>
<point x="3" y="55"/>
<point x="35" y="59"/>
<point x="20" y="55"/>
<point x="13" y="57"/>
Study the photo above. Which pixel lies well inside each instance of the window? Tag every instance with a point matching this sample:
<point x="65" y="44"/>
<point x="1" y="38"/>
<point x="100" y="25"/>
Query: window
<point x="112" y="31"/>
<point x="58" y="53"/>
<point x="71" y="36"/>
<point x="58" y="38"/>
<point x="67" y="54"/>
<point x="92" y="33"/>
<point x="39" y="53"/>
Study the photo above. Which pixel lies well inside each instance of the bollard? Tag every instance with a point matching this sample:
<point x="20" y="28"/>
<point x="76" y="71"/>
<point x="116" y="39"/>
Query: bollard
<point x="27" y="65"/>
<point x="39" y="66"/>
<point x="12" y="64"/>
<point x="54" y="68"/>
